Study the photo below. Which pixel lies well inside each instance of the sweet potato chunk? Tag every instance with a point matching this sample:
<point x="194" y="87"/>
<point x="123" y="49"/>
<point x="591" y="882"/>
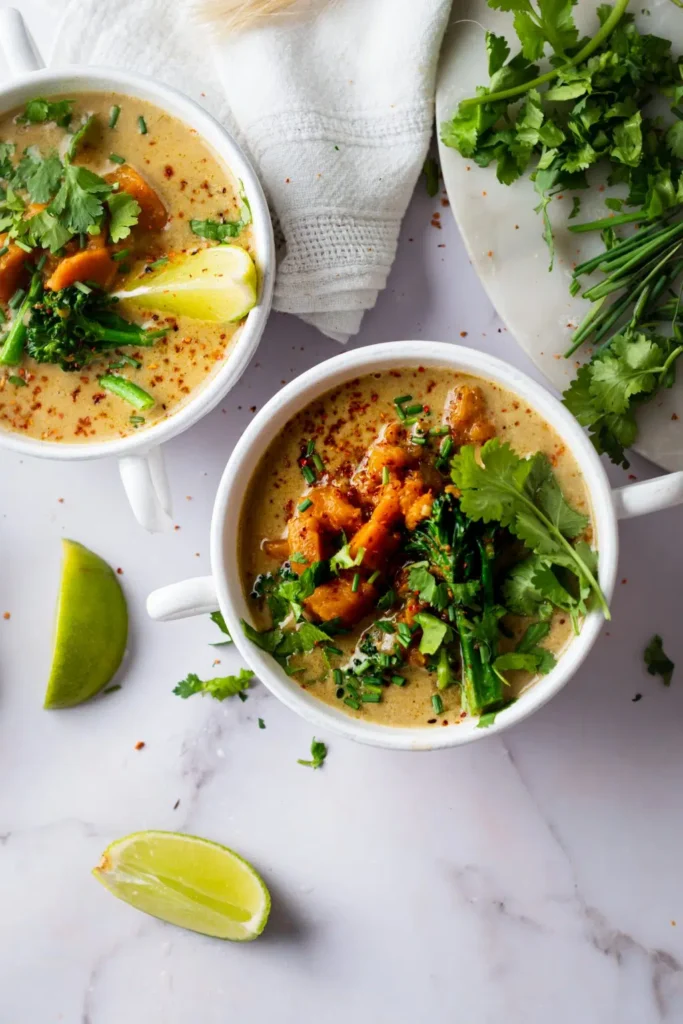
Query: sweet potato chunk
<point x="13" y="269"/>
<point x="87" y="265"/>
<point x="379" y="535"/>
<point x="415" y="499"/>
<point x="467" y="416"/>
<point x="278" y="549"/>
<point x="337" y="600"/>
<point x="312" y="533"/>
<point x="153" y="215"/>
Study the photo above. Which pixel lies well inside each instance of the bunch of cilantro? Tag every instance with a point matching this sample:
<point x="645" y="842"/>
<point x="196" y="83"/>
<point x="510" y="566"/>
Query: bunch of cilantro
<point x="592" y="111"/>
<point x="76" y="200"/>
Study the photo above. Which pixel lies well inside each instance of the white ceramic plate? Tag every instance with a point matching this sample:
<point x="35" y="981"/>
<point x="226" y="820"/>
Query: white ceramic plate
<point x="503" y="234"/>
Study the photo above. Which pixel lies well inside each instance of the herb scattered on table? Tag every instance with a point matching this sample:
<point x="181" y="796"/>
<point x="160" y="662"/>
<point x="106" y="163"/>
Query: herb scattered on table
<point x="657" y="662"/>
<point x="318" y="754"/>
<point x="431" y="173"/>
<point x="220" y="688"/>
<point x="217" y="618"/>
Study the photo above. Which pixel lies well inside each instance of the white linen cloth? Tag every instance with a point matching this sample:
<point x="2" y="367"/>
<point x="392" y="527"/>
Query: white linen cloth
<point x="335" y="110"/>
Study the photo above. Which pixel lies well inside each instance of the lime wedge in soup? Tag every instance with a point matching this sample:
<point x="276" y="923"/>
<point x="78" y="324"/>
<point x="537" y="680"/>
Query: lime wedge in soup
<point x="218" y="284"/>
<point x="91" y="628"/>
<point x="189" y="882"/>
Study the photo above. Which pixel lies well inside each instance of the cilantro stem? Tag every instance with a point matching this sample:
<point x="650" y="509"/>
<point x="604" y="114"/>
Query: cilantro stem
<point x="607" y="222"/>
<point x="598" y="39"/>
<point x="13" y="346"/>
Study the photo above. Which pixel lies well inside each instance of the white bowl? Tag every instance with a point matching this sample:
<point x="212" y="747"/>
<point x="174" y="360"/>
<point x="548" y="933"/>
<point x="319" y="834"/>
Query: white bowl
<point x="224" y="589"/>
<point x="140" y="458"/>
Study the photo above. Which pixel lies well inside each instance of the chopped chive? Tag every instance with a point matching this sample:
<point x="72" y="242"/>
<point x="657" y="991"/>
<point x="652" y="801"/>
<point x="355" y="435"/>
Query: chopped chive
<point x="386" y="626"/>
<point x="128" y="361"/>
<point x="18" y="382"/>
<point x="142" y="125"/>
<point x="308" y="474"/>
<point x="23" y="245"/>
<point x="400" y="413"/>
<point x="361" y="667"/>
<point x="402" y="399"/>
<point x="419" y="439"/>
<point x="356" y="583"/>
<point x="410" y="421"/>
<point x="414" y="410"/>
<point x="329" y="649"/>
<point x="371" y="698"/>
<point x="83" y="288"/>
<point x="116" y="158"/>
<point x="372" y="687"/>
<point x="386" y="475"/>
<point x="82" y="240"/>
<point x="318" y="462"/>
<point x="310" y="448"/>
<point x="4" y="250"/>
<point x="384" y="660"/>
<point x="17" y="298"/>
<point x="437" y="703"/>
<point x="114" y="115"/>
<point x="438" y="431"/>
<point x="352" y="690"/>
<point x="158" y="263"/>
<point x="352" y="703"/>
<point x="41" y="262"/>
<point x="2" y="316"/>
<point x="306" y="503"/>
<point x="137" y="420"/>
<point x="121" y="255"/>
<point x="398" y="680"/>
<point x="338" y="677"/>
<point x="446" y="447"/>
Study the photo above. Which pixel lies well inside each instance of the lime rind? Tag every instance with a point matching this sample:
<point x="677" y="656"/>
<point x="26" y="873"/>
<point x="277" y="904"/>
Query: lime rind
<point x="187" y="881"/>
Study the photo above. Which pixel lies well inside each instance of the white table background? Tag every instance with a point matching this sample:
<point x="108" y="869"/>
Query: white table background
<point x="528" y="879"/>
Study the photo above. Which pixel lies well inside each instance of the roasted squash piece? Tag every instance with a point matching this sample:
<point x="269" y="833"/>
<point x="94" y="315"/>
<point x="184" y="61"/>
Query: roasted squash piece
<point x="467" y="416"/>
<point x="153" y="215"/>
<point x="87" y="265"/>
<point x="14" y="269"/>
<point x="312" y="533"/>
<point x="379" y="536"/>
<point x="338" y="600"/>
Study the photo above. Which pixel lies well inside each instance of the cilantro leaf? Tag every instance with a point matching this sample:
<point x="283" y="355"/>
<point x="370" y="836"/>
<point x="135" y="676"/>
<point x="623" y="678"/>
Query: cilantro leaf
<point x="434" y="632"/>
<point x="124" y="212"/>
<point x="6" y="165"/>
<point x="318" y="754"/>
<point x="498" y="52"/>
<point x="79" y="137"/>
<point x="267" y="639"/>
<point x="78" y="204"/>
<point x="674" y="139"/>
<point x="39" y="110"/>
<point x="46" y="231"/>
<point x="657" y="662"/>
<point x="220" y="688"/>
<point x="521" y="594"/>
<point x="489" y="717"/>
<point x="343" y="559"/>
<point x="39" y="175"/>
<point x="216" y="230"/>
<point x="528" y="655"/>
<point x="218" y="620"/>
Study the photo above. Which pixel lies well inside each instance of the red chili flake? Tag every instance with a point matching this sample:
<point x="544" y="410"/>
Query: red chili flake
<point x="168" y="171"/>
<point x="463" y="334"/>
<point x="139" y="745"/>
<point x="7" y="615"/>
<point x="632" y="476"/>
<point x="176" y="527"/>
<point x="624" y="581"/>
<point x="674" y="416"/>
<point x="120" y="572"/>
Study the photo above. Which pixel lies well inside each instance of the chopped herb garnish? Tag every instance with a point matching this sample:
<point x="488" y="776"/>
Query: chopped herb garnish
<point x="4" y="250"/>
<point x="23" y="245"/>
<point x="162" y="261"/>
<point x="116" y="158"/>
<point x="437" y="703"/>
<point x="142" y="125"/>
<point x="261" y="724"/>
<point x="402" y="399"/>
<point x="386" y="475"/>
<point x="120" y="255"/>
<point x="318" y="462"/>
<point x="398" y="680"/>
<point x="351" y="703"/>
<point x="83" y="288"/>
<point x="302" y="506"/>
<point x="318" y="755"/>
<point x="657" y="662"/>
<point x="373" y="578"/>
<point x="114" y="115"/>
<point x="356" y="583"/>
<point x="127" y="390"/>
<point x="137" y="421"/>
<point x="370" y="697"/>
<point x="308" y="474"/>
<point x="17" y="298"/>
<point x="18" y="382"/>
<point x="414" y="410"/>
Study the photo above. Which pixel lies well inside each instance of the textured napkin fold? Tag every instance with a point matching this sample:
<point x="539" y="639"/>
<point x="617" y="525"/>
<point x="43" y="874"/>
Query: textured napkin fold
<point x="335" y="110"/>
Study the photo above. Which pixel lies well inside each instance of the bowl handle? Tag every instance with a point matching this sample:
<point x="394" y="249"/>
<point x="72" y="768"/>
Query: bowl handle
<point x="181" y="600"/>
<point x="18" y="47"/>
<point x="648" y="496"/>
<point x="145" y="482"/>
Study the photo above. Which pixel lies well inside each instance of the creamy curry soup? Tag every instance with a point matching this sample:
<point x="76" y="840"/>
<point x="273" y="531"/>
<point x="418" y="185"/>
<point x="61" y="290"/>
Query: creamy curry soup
<point x="368" y="574"/>
<point x="100" y="194"/>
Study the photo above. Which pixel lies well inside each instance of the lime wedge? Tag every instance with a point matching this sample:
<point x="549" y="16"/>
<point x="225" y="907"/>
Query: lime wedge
<point x="218" y="283"/>
<point x="91" y="630"/>
<point x="189" y="882"/>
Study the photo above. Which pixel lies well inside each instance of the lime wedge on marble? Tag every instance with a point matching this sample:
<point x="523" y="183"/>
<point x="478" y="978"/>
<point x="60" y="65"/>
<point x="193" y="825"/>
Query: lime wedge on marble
<point x="91" y="629"/>
<point x="218" y="284"/>
<point x="189" y="882"/>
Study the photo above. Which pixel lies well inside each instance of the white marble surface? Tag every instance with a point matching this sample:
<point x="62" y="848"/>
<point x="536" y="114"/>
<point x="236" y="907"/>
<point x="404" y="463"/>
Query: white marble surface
<point x="530" y="879"/>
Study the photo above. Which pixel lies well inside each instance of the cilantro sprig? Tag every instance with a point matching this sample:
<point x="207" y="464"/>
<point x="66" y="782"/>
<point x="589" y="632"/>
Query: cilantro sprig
<point x="657" y="662"/>
<point x="523" y="495"/>
<point x="318" y="755"/>
<point x="219" y="688"/>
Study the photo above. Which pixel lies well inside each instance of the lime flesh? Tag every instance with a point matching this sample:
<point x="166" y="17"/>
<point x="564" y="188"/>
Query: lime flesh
<point x="218" y="284"/>
<point x="187" y="881"/>
<point x="91" y="629"/>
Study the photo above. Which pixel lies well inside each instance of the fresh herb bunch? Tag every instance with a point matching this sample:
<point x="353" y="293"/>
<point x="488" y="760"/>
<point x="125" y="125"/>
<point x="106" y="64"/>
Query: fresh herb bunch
<point x="76" y="325"/>
<point x="591" y="112"/>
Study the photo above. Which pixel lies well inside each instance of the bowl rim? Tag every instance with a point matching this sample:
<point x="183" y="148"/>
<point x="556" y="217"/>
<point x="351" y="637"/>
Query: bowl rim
<point x="100" y="78"/>
<point x="224" y="543"/>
